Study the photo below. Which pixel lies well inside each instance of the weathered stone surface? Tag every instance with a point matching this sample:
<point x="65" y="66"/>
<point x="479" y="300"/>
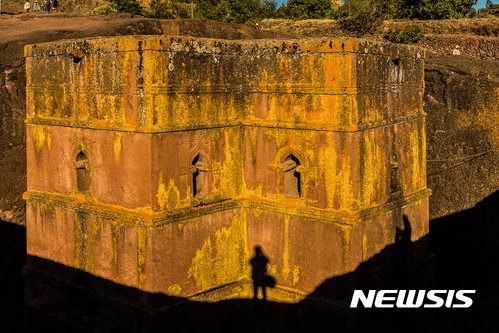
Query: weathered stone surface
<point x="12" y="137"/>
<point x="186" y="142"/>
<point x="479" y="47"/>
<point x="461" y="99"/>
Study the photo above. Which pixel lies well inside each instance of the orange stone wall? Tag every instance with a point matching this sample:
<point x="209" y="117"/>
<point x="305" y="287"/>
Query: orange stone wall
<point x="142" y="108"/>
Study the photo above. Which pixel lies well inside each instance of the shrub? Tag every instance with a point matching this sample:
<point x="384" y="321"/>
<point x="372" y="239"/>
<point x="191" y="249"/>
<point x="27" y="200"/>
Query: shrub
<point x="411" y="34"/>
<point x="363" y="16"/>
<point x="127" y="6"/>
<point x="103" y="10"/>
<point x="306" y="9"/>
<point x="165" y="9"/>
<point x="438" y="9"/>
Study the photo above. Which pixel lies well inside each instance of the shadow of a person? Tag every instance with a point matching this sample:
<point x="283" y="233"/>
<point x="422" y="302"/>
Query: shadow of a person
<point x="400" y="280"/>
<point x="259" y="272"/>
<point x="402" y="244"/>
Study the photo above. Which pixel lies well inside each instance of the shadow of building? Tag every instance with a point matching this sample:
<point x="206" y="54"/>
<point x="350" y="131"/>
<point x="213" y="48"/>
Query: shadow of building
<point x="66" y="299"/>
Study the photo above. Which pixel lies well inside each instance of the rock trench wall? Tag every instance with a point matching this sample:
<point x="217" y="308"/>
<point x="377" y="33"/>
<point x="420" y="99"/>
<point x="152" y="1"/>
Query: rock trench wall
<point x="478" y="47"/>
<point x="461" y="100"/>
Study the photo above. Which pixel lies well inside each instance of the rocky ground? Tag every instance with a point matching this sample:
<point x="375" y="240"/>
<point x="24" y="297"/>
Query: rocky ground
<point x="475" y="38"/>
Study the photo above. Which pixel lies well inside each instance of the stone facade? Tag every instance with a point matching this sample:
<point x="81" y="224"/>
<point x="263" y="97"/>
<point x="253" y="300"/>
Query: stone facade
<point x="161" y="163"/>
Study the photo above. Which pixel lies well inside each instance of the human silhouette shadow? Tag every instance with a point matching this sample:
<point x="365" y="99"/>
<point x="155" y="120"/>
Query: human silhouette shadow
<point x="61" y="298"/>
<point x="402" y="248"/>
<point x="259" y="274"/>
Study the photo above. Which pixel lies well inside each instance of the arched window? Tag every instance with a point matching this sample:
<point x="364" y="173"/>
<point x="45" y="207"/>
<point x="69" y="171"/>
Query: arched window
<point x="82" y="173"/>
<point x="199" y="177"/>
<point x="292" y="185"/>
<point x="395" y="185"/>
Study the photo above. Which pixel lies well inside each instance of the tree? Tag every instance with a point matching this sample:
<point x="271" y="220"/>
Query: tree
<point x="362" y="16"/>
<point x="306" y="9"/>
<point x="438" y="9"/>
<point x="166" y="9"/>
<point x="489" y="4"/>
<point x="127" y="6"/>
<point x="236" y="11"/>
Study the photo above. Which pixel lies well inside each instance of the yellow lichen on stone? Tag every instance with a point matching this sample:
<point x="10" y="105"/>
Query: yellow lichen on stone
<point x="277" y="136"/>
<point x="115" y="234"/>
<point x="46" y="209"/>
<point x="328" y="168"/>
<point x="312" y="104"/>
<point x="253" y="140"/>
<point x="285" y="254"/>
<point x="297" y="274"/>
<point x="345" y="186"/>
<point x="141" y="254"/>
<point x="201" y="267"/>
<point x="49" y="138"/>
<point x="117" y="145"/>
<point x="216" y="179"/>
<point x="86" y="227"/>
<point x="181" y="225"/>
<point x="418" y="156"/>
<point x="273" y="270"/>
<point x="90" y="197"/>
<point x="371" y="160"/>
<point x="144" y="210"/>
<point x="231" y="180"/>
<point x="168" y="198"/>
<point x="231" y="259"/>
<point x="174" y="290"/>
<point x="41" y="134"/>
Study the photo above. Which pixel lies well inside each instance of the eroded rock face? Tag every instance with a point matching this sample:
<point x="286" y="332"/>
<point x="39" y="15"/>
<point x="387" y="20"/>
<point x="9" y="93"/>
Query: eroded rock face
<point x="479" y="47"/>
<point x="461" y="100"/>
<point x="12" y="137"/>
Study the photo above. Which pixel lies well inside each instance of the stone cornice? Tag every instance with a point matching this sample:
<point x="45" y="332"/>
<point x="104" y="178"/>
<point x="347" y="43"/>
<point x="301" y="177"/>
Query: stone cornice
<point x="154" y="219"/>
<point x="219" y="47"/>
<point x="250" y="123"/>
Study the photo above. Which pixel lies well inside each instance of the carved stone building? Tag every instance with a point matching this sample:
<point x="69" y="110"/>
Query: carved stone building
<point x="160" y="163"/>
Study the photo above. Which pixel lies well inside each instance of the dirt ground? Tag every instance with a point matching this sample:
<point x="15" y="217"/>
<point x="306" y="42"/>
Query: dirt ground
<point x="35" y="26"/>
